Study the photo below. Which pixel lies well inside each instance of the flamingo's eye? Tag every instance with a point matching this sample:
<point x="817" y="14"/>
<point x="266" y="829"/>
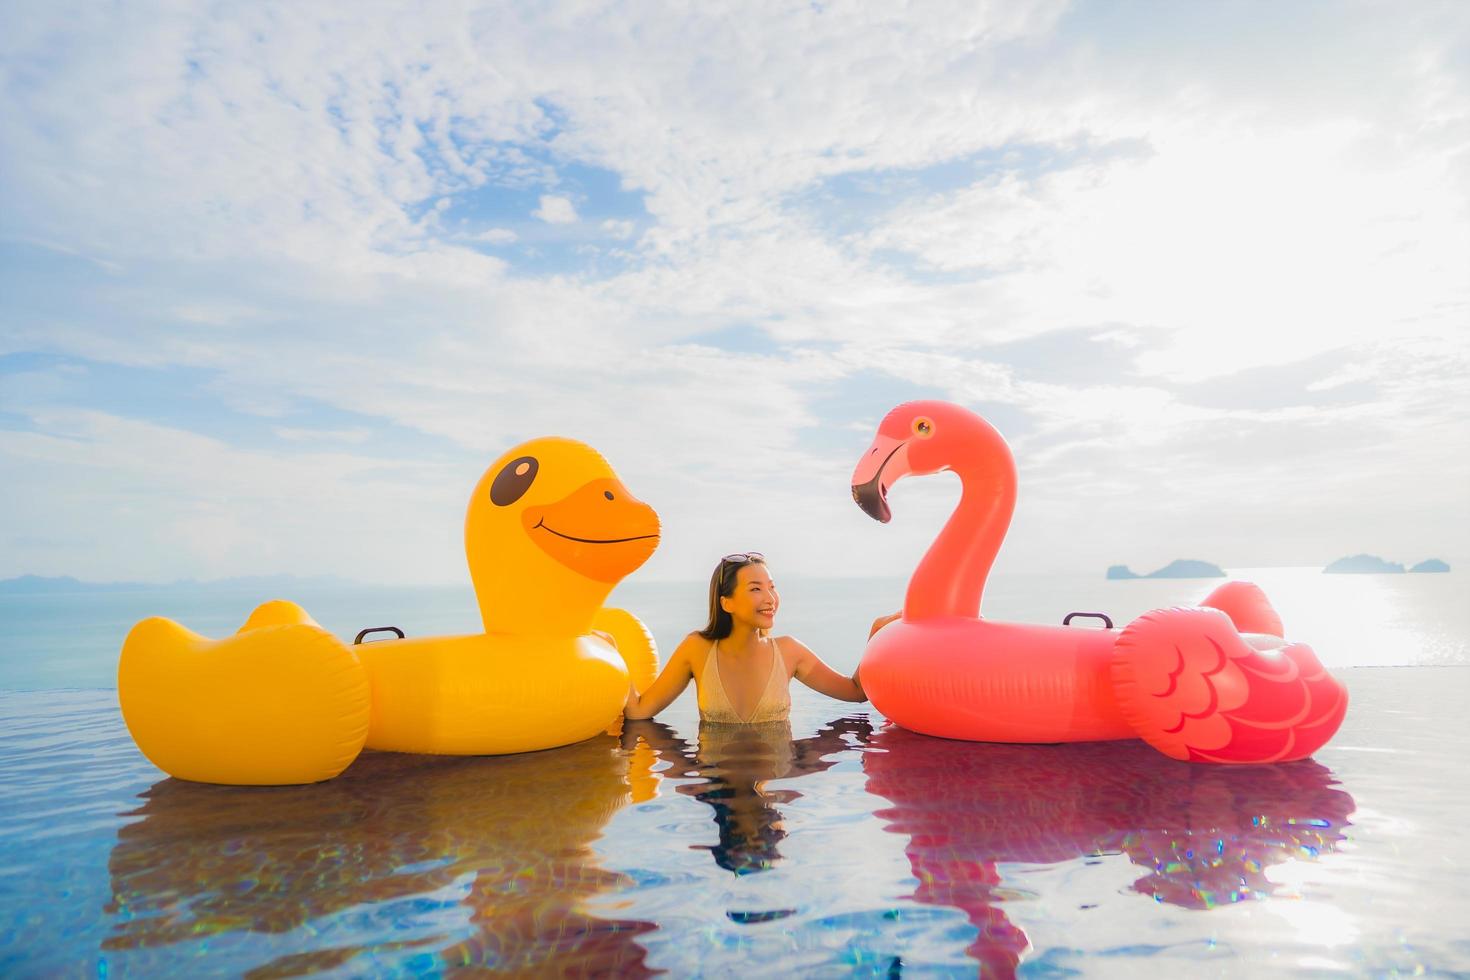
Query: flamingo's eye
<point x="923" y="428"/>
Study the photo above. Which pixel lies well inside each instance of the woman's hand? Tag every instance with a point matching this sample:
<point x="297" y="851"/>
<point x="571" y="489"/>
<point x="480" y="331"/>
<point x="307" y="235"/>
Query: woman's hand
<point x="669" y="684"/>
<point x="881" y="622"/>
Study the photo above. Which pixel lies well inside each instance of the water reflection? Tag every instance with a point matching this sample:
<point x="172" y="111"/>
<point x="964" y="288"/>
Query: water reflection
<point x="512" y="832"/>
<point x="732" y="764"/>
<point x="1205" y="835"/>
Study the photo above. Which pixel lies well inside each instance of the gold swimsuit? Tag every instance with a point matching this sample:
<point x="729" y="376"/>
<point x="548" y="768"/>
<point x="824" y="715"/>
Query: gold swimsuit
<point x="774" y="703"/>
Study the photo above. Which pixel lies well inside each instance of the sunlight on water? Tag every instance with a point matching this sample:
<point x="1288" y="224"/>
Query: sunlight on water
<point x="1371" y="620"/>
<point x="1348" y="620"/>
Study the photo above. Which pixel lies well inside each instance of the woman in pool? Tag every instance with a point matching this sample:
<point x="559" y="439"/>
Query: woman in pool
<point x="741" y="672"/>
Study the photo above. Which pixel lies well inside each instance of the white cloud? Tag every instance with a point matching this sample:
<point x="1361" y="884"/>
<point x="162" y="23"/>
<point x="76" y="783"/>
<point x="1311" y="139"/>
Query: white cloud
<point x="1220" y="208"/>
<point x="350" y="436"/>
<point x="174" y="504"/>
<point x="496" y="236"/>
<point x="1247" y="250"/>
<point x="555" y="210"/>
<point x="209" y="313"/>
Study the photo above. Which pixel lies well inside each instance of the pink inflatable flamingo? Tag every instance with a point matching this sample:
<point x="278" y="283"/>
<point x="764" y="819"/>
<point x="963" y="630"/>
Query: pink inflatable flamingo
<point x="1214" y="683"/>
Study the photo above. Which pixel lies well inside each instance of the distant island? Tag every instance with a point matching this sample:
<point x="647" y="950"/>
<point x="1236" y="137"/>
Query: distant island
<point x="1373" y="565"/>
<point x="42" y="585"/>
<point x="1363" y="565"/>
<point x="1178" y="568"/>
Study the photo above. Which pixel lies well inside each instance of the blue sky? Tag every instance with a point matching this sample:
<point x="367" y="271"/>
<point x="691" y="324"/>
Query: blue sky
<point x="278" y="282"/>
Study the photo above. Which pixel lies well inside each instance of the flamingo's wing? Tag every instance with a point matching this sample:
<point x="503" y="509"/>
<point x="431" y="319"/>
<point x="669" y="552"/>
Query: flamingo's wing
<point x="1194" y="689"/>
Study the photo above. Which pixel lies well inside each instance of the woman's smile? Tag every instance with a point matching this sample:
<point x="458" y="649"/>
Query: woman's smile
<point x="754" y="598"/>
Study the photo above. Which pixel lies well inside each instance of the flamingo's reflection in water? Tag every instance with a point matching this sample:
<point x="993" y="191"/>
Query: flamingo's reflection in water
<point x="515" y="831"/>
<point x="1204" y="835"/>
<point x="731" y="766"/>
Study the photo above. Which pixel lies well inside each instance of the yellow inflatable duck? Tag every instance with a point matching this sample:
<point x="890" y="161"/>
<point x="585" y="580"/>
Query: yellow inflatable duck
<point x="549" y="532"/>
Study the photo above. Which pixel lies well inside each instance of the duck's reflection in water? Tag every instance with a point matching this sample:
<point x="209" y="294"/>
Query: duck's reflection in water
<point x="515" y="831"/>
<point x="732" y="764"/>
<point x="1204" y="835"/>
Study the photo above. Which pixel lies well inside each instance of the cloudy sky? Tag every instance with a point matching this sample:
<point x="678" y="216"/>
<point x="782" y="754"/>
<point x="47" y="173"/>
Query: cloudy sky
<point x="279" y="282"/>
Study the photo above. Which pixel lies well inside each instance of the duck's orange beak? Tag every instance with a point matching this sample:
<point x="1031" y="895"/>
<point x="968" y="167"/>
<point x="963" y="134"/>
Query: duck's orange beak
<point x="600" y="530"/>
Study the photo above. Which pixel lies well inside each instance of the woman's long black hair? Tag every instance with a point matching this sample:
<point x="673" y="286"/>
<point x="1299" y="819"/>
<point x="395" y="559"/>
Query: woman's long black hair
<point x="722" y="584"/>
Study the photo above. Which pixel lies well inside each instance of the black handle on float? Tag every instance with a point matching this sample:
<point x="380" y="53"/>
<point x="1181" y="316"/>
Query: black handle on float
<point x="1107" y="622"/>
<point x="377" y="629"/>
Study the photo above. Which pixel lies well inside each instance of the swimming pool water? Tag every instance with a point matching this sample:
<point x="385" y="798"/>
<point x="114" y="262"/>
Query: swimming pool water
<point x="838" y="846"/>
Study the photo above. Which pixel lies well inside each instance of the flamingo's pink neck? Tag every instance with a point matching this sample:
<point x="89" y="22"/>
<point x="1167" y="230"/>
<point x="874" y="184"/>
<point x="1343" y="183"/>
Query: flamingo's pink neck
<point x="951" y="577"/>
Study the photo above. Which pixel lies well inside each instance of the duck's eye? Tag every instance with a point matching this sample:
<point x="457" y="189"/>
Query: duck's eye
<point x="513" y="481"/>
<point x="923" y="428"/>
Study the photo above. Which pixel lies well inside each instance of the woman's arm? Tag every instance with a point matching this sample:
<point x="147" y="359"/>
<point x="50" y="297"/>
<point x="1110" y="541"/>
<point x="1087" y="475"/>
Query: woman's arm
<point x="812" y="672"/>
<point x="670" y="683"/>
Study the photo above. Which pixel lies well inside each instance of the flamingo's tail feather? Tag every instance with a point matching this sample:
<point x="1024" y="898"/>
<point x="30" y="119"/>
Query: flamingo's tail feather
<point x="1194" y="689"/>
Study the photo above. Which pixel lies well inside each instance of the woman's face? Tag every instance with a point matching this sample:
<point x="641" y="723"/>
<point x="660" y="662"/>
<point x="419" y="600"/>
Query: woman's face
<point x="754" y="601"/>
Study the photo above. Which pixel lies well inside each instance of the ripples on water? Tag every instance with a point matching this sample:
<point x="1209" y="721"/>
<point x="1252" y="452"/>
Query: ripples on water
<point x="828" y="847"/>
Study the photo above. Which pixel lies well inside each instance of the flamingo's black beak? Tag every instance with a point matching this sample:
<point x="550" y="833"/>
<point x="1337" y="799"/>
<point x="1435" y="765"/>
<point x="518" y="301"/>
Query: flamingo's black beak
<point x="872" y="497"/>
<point x="883" y="465"/>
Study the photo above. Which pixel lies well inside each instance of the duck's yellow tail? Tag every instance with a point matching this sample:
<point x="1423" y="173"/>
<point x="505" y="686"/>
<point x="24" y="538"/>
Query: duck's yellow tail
<point x="282" y="701"/>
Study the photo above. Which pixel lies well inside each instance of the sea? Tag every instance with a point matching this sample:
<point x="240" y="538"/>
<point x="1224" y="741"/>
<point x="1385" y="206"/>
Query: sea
<point x="837" y="845"/>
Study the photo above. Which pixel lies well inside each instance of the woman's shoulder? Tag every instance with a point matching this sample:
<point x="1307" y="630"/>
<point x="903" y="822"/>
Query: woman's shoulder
<point x="791" y="648"/>
<point x="694" y="646"/>
<point x="691" y="651"/>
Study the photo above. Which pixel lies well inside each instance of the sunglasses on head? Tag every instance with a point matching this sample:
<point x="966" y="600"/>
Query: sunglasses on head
<point x="743" y="556"/>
